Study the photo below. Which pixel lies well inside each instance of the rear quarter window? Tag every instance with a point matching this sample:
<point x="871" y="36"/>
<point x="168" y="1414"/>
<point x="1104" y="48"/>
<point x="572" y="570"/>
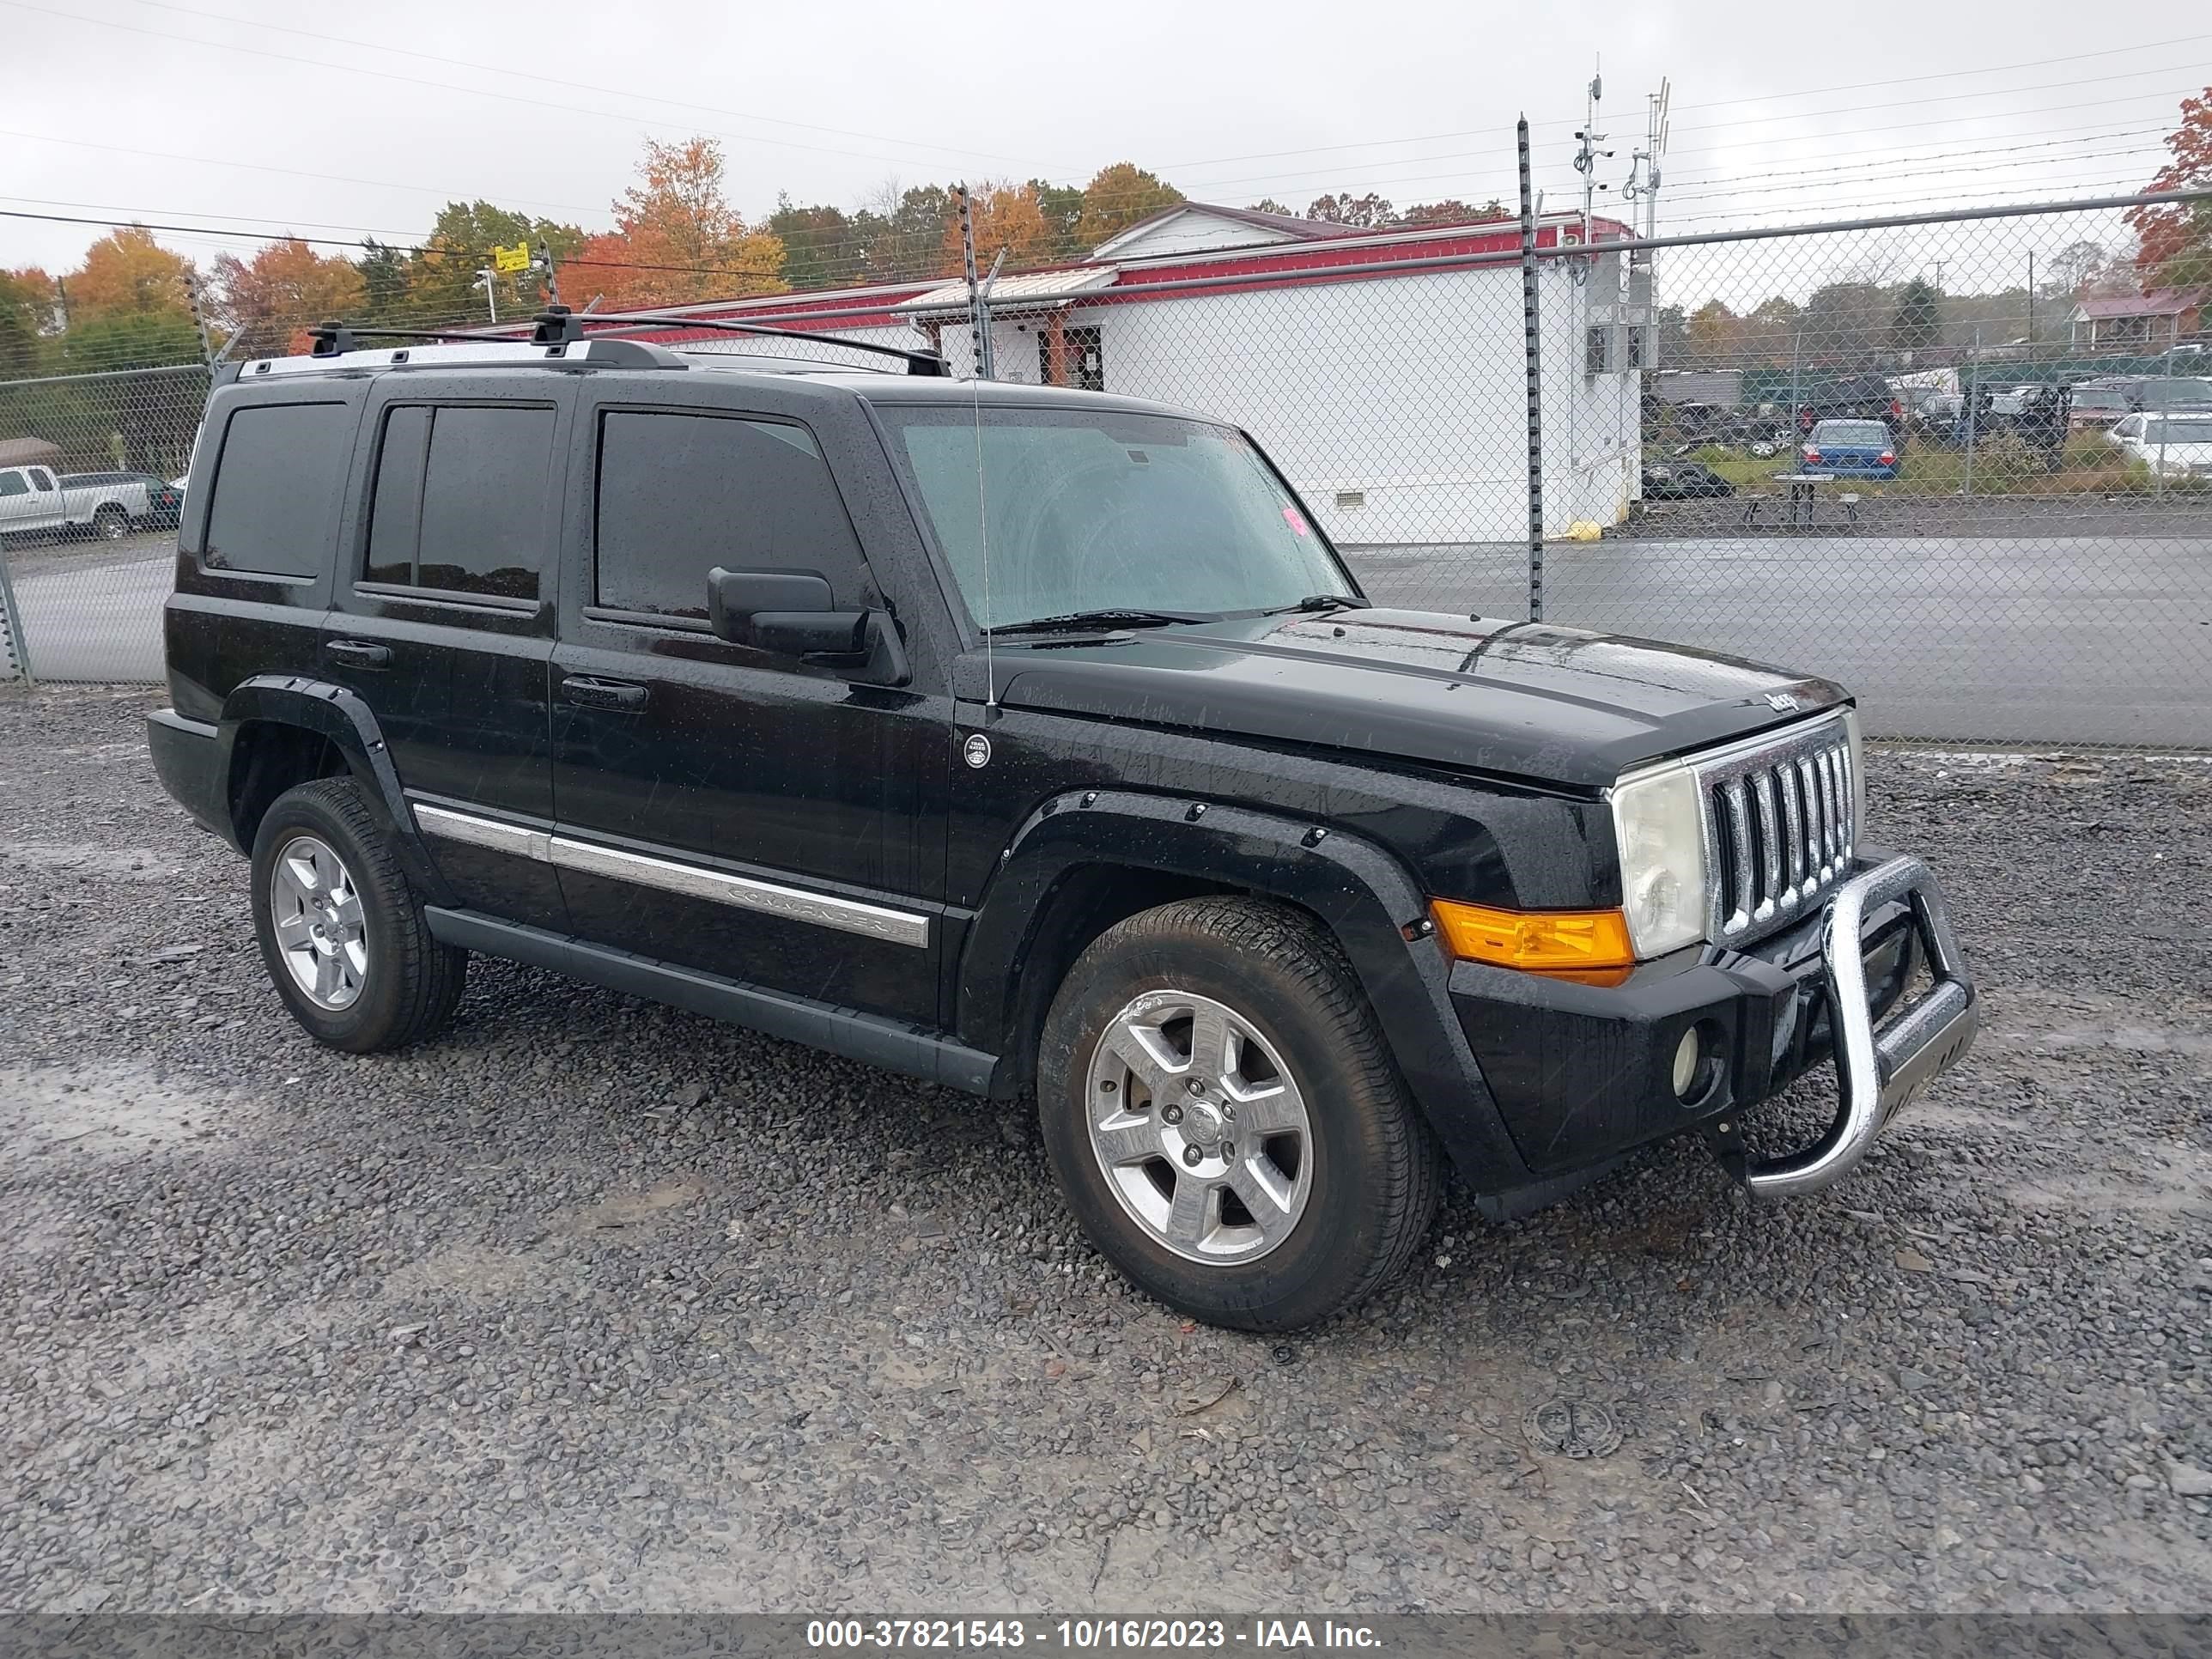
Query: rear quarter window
<point x="277" y="478"/>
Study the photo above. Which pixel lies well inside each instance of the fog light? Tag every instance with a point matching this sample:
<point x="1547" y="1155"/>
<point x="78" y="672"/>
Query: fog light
<point x="1686" y="1055"/>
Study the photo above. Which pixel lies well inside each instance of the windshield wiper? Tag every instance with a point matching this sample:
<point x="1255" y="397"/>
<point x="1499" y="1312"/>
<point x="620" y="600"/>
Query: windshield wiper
<point x="1320" y="602"/>
<point x="1076" y="620"/>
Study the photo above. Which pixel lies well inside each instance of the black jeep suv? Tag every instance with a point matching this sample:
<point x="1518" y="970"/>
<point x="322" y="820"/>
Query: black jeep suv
<point x="1023" y="740"/>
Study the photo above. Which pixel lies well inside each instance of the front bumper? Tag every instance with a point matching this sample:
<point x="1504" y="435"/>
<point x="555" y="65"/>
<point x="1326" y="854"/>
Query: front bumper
<point x="1584" y="1074"/>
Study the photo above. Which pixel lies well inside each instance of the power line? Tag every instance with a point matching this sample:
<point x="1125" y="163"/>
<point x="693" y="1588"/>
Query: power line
<point x="294" y="172"/>
<point x="354" y="242"/>
<point x="553" y="81"/>
<point x="1809" y="92"/>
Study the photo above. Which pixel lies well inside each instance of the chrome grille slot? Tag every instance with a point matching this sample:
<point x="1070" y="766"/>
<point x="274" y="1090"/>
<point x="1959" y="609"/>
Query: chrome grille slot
<point x="1779" y="826"/>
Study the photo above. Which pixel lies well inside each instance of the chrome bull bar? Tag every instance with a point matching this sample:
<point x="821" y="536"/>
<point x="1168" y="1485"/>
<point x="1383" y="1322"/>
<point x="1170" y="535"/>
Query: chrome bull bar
<point x="1878" y="1072"/>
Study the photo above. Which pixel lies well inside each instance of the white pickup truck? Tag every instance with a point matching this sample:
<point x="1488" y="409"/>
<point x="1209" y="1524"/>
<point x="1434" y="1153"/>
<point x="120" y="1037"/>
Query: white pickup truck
<point x="33" y="502"/>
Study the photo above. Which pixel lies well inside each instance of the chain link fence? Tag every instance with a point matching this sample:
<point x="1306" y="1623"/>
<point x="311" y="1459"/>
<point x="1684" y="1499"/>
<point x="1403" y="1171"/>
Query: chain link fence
<point x="1961" y="464"/>
<point x="88" y="516"/>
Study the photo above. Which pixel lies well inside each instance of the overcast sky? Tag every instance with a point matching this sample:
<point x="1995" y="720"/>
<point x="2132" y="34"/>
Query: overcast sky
<point x="216" y="110"/>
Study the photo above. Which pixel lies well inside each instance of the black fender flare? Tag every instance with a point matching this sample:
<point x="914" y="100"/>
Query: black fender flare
<point x="1364" y="897"/>
<point x="339" y="714"/>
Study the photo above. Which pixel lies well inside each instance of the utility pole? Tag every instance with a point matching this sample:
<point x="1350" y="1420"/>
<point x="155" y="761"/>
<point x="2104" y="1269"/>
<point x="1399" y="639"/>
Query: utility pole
<point x="488" y="280"/>
<point x="2031" y="305"/>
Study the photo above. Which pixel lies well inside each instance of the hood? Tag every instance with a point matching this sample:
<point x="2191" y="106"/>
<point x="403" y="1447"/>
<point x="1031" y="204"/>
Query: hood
<point x="1514" y="699"/>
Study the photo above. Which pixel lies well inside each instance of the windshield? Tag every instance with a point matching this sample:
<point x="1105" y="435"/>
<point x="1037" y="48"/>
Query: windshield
<point x="1094" y="510"/>
<point x="1852" y="432"/>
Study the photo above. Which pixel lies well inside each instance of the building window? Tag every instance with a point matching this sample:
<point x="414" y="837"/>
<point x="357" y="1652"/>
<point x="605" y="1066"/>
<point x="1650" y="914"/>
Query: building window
<point x="1595" y="343"/>
<point x="1635" y="348"/>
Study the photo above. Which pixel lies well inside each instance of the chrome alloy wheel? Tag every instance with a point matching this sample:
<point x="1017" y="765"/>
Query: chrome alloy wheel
<point x="1200" y="1128"/>
<point x="321" y="933"/>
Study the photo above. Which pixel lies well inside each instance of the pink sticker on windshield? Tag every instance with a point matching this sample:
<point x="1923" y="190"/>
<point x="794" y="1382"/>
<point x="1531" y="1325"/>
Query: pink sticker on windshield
<point x="1297" y="522"/>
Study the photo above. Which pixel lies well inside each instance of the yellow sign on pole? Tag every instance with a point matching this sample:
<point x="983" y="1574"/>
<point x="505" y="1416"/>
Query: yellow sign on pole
<point x="511" y="259"/>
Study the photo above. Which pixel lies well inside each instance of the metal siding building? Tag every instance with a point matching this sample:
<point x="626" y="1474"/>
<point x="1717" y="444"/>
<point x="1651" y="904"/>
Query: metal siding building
<point x="1394" y="399"/>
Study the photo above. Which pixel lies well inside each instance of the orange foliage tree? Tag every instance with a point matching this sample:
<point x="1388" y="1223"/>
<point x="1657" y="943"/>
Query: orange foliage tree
<point x="1008" y="216"/>
<point x="271" y="300"/>
<point x="2176" y="246"/>
<point x="126" y="273"/>
<point x="1117" y="198"/>
<point x="676" y="240"/>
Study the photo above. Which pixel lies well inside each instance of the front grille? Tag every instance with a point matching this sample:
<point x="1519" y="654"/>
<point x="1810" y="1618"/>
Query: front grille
<point x="1781" y="823"/>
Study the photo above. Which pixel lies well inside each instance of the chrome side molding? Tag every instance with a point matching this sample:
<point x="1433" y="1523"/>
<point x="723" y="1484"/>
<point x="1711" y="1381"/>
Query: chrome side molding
<point x="879" y="921"/>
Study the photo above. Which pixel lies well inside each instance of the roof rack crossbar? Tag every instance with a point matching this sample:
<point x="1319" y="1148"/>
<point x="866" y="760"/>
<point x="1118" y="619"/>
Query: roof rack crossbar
<point x="336" y="339"/>
<point x="557" y="325"/>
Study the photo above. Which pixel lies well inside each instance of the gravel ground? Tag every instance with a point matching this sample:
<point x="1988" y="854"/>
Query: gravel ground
<point x="594" y="1304"/>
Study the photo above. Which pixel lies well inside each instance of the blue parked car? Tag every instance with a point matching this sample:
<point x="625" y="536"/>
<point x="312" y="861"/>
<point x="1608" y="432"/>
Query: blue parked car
<point x="1851" y="449"/>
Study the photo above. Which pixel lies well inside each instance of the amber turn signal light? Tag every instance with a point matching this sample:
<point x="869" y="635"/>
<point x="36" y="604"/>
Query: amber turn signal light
<point x="1595" y="942"/>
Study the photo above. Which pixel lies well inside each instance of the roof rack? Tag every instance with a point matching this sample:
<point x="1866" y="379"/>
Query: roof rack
<point x="336" y="339"/>
<point x="559" y="325"/>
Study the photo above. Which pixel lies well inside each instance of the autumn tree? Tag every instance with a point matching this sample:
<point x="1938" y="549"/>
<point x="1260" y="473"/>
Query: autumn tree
<point x="676" y="238"/>
<point x="1451" y="212"/>
<point x="269" y="301"/>
<point x="2176" y="246"/>
<point x="28" y="313"/>
<point x="126" y="273"/>
<point x="1711" y="334"/>
<point x="1116" y="198"/>
<point x="1360" y="212"/>
<point x="1006" y="216"/>
<point x="1768" y="331"/>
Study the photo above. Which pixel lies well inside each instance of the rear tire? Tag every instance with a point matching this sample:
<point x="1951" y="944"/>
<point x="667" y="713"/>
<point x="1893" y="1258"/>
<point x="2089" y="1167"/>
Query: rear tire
<point x="341" y="934"/>
<point x="1225" y="1119"/>
<point x="111" y="524"/>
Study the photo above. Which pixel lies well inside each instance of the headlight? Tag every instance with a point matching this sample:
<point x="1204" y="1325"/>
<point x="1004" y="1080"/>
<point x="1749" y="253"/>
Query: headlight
<point x="1660" y="836"/>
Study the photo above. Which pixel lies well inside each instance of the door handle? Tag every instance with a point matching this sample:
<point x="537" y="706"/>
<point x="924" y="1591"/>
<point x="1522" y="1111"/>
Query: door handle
<point x="358" y="653"/>
<point x="618" y="695"/>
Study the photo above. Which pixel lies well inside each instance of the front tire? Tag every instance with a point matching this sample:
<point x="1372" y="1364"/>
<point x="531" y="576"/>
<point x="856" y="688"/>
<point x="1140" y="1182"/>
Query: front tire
<point x="341" y="931"/>
<point x="1226" y="1120"/>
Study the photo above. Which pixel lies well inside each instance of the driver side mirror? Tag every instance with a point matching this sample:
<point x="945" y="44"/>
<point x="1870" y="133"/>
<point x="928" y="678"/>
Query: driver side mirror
<point x="790" y="613"/>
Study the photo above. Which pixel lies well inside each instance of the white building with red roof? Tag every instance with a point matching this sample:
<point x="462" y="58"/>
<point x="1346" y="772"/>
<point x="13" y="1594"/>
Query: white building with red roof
<point x="1382" y="369"/>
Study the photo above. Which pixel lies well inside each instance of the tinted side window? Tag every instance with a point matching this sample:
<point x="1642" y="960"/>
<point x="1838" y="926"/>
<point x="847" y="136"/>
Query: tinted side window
<point x="395" y="517"/>
<point x="277" y="488"/>
<point x="11" y="484"/>
<point x="460" y="498"/>
<point x="681" y="493"/>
